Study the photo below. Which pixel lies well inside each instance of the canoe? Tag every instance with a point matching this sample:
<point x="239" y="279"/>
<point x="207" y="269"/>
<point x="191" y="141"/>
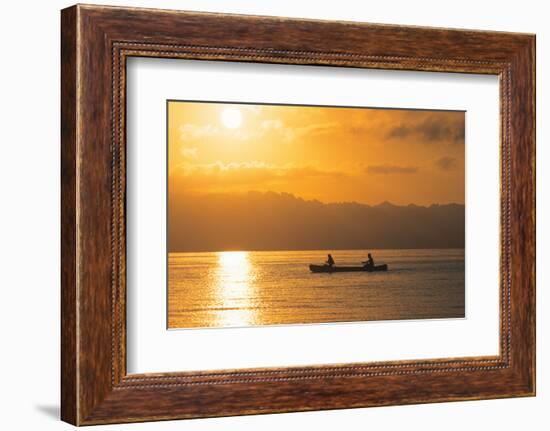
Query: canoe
<point x="330" y="269"/>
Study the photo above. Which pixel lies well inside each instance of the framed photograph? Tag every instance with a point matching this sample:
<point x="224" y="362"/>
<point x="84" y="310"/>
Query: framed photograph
<point x="263" y="197"/>
<point x="266" y="215"/>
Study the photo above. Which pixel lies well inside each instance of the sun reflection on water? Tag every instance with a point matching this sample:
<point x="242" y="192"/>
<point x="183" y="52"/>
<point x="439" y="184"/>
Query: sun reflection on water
<point x="235" y="277"/>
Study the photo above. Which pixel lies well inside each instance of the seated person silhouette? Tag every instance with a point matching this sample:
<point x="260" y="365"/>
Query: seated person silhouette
<point x="369" y="263"/>
<point x="330" y="260"/>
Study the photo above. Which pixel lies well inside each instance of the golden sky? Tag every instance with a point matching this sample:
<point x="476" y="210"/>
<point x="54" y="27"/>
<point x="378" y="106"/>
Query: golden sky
<point x="323" y="153"/>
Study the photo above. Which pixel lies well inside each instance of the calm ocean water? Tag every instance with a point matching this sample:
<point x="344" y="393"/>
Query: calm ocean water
<point x="268" y="288"/>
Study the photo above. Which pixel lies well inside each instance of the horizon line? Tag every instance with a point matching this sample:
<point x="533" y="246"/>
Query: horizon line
<point x="385" y="202"/>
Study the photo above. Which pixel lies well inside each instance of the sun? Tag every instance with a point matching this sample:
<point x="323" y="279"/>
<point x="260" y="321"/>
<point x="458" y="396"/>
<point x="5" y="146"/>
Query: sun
<point x="231" y="118"/>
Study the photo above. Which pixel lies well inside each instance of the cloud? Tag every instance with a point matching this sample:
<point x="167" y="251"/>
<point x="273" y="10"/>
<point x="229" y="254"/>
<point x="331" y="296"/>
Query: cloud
<point x="272" y="125"/>
<point x="192" y="132"/>
<point x="401" y="131"/>
<point x="317" y="129"/>
<point x="276" y="126"/>
<point x="391" y="169"/>
<point x="190" y="153"/>
<point x="434" y="128"/>
<point x="290" y="134"/>
<point x="227" y="175"/>
<point x="446" y="163"/>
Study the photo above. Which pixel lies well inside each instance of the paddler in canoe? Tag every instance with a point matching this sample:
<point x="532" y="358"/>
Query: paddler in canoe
<point x="369" y="263"/>
<point x="329" y="266"/>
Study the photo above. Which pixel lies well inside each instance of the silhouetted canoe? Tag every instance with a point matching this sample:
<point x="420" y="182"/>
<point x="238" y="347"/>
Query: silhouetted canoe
<point x="326" y="268"/>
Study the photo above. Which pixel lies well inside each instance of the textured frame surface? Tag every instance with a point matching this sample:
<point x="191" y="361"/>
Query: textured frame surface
<point x="96" y="41"/>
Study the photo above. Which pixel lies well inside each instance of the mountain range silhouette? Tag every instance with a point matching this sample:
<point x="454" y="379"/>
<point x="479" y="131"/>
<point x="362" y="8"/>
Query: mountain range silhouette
<point x="282" y="221"/>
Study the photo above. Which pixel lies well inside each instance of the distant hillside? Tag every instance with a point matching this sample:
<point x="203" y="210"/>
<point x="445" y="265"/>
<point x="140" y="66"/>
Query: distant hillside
<point x="273" y="221"/>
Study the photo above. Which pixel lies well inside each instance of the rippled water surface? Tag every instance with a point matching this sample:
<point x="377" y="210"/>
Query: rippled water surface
<point x="268" y="288"/>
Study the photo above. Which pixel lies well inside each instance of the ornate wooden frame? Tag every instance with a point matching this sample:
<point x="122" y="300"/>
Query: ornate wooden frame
<point x="96" y="41"/>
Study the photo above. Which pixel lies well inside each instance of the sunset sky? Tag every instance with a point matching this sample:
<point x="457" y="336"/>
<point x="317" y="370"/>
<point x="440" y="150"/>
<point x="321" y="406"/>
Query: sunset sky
<point x="323" y="153"/>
